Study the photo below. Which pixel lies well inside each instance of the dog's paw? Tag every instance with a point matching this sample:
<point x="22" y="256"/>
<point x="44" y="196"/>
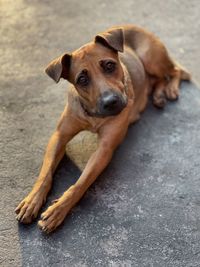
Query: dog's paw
<point x="159" y="99"/>
<point x="28" y="208"/>
<point x="159" y="102"/>
<point x="172" y="92"/>
<point x="56" y="213"/>
<point x="52" y="217"/>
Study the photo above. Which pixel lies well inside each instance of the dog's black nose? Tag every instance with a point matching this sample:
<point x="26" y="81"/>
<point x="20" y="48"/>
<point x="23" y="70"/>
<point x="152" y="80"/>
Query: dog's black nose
<point x="109" y="100"/>
<point x="110" y="103"/>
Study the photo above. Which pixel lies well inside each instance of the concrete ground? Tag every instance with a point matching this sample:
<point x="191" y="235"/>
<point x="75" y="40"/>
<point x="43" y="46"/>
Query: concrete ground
<point x="144" y="210"/>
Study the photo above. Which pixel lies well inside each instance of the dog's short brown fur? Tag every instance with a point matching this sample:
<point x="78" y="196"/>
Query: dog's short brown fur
<point x="112" y="78"/>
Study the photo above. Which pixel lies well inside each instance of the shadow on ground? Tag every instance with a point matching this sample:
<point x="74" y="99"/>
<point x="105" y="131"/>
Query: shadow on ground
<point x="144" y="210"/>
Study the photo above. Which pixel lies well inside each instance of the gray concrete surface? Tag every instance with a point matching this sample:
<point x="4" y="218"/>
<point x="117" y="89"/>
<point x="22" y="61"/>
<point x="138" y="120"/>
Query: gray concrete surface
<point x="144" y="209"/>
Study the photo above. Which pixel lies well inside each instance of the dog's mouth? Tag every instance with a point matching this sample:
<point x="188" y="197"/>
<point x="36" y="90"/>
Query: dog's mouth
<point x="109" y="104"/>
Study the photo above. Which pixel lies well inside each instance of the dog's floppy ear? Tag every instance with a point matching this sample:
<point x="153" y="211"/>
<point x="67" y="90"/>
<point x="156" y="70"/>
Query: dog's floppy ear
<point x="112" y="38"/>
<point x="59" y="68"/>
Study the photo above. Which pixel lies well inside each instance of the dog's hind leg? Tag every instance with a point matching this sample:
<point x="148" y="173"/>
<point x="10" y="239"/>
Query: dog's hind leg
<point x="159" y="97"/>
<point x="177" y="74"/>
<point x="168" y="87"/>
<point x="159" y="64"/>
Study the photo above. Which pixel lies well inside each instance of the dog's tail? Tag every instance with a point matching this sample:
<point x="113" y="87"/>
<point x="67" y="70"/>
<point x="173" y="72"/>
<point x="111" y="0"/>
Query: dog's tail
<point x="185" y="74"/>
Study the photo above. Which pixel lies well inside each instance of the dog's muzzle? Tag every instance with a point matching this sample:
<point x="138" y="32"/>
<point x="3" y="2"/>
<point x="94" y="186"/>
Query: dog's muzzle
<point x="111" y="103"/>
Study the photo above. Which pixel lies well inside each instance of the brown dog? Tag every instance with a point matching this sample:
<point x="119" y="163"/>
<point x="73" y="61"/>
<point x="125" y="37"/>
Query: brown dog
<point x="112" y="78"/>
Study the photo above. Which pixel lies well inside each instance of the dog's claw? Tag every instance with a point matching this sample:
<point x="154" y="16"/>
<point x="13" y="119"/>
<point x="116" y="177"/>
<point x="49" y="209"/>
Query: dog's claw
<point x="17" y="218"/>
<point x="18" y="208"/>
<point x="44" y="217"/>
<point x="54" y="201"/>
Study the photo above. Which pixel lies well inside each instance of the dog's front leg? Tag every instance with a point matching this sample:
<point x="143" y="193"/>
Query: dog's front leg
<point x="28" y="208"/>
<point x="109" y="139"/>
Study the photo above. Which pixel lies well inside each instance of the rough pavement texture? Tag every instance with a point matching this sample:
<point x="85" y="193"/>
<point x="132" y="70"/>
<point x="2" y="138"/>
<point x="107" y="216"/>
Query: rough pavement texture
<point x="144" y="210"/>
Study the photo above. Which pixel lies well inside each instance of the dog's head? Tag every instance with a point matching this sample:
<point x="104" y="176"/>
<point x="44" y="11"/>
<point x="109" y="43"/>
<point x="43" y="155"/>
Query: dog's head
<point x="96" y="72"/>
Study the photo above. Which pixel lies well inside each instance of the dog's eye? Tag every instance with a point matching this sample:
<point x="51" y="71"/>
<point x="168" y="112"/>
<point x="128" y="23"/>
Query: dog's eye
<point x="83" y="80"/>
<point x="108" y="66"/>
